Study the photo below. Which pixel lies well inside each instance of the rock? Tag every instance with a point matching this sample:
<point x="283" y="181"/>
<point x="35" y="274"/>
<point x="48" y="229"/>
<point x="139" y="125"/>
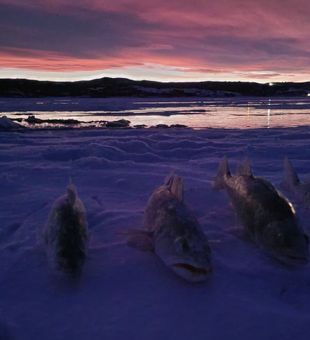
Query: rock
<point x="62" y="121"/>
<point x="140" y="126"/>
<point x="122" y="123"/>
<point x="178" y="126"/>
<point x="33" y="120"/>
<point x="161" y="126"/>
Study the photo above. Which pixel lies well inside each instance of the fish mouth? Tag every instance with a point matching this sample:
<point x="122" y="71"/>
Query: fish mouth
<point x="191" y="272"/>
<point x="193" y="269"/>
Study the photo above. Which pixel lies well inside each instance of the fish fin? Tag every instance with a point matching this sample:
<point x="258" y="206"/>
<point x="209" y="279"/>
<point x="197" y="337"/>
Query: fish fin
<point x="176" y="186"/>
<point x="290" y="178"/>
<point x="139" y="239"/>
<point x="245" y="168"/>
<point x="71" y="193"/>
<point x="222" y="174"/>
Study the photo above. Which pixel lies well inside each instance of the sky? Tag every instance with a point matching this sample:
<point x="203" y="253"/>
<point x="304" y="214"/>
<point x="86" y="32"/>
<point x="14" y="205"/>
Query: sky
<point x="165" y="40"/>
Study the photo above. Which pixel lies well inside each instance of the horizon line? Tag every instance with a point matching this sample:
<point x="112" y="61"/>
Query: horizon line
<point x="155" y="81"/>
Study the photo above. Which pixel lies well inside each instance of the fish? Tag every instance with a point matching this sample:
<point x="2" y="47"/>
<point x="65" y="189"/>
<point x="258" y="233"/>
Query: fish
<point x="292" y="183"/>
<point x="66" y="233"/>
<point x="173" y="233"/>
<point x="267" y="216"/>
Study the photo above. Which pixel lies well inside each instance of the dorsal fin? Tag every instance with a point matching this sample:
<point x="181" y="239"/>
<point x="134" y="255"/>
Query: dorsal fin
<point x="176" y="186"/>
<point x="71" y="193"/>
<point x="290" y="175"/>
<point x="222" y="174"/>
<point x="245" y="168"/>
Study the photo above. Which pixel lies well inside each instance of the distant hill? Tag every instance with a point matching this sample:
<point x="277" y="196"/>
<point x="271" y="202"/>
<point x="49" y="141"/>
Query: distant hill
<point x="121" y="87"/>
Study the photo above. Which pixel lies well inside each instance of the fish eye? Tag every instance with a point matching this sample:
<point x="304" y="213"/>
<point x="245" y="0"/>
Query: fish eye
<point x="182" y="244"/>
<point x="185" y="245"/>
<point x="280" y="237"/>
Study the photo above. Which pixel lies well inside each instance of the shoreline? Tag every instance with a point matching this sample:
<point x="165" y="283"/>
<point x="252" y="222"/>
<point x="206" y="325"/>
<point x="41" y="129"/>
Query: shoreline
<point x="204" y="113"/>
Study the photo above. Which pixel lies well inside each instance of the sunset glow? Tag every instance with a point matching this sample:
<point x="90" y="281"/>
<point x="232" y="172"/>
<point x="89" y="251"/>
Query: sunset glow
<point x="179" y="40"/>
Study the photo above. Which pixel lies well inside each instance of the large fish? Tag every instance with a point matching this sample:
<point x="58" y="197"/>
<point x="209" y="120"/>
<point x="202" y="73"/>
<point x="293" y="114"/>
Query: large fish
<point x="291" y="182"/>
<point x="66" y="232"/>
<point x="267" y="216"/>
<point x="173" y="233"/>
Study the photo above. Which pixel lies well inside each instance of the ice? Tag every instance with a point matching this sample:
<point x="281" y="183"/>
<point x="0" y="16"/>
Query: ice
<point x="241" y="112"/>
<point x="8" y="124"/>
<point x="124" y="293"/>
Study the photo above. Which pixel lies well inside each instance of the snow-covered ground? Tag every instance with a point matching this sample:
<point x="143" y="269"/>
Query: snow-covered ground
<point x="124" y="293"/>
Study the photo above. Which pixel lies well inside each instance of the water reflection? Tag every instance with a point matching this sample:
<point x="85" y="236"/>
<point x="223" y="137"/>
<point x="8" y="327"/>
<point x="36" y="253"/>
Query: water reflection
<point x="200" y="113"/>
<point x="268" y="113"/>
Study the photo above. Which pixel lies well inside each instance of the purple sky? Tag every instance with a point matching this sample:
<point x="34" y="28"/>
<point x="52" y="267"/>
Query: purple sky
<point x="262" y="40"/>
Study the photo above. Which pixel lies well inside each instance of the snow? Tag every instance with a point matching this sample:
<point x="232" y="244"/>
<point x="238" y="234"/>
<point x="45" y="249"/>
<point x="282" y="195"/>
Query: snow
<point x="8" y="124"/>
<point x="124" y="293"/>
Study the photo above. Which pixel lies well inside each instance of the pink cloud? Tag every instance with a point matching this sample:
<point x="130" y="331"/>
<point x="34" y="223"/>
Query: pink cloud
<point x="199" y="35"/>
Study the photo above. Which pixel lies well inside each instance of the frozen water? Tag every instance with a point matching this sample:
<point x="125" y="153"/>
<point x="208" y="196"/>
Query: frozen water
<point x="239" y="112"/>
<point x="124" y="293"/>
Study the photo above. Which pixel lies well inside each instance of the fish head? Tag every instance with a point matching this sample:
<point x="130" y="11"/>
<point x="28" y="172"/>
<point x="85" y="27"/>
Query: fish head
<point x="188" y="257"/>
<point x="287" y="242"/>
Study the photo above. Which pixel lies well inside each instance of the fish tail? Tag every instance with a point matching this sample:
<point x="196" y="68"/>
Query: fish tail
<point x="290" y="178"/>
<point x="245" y="168"/>
<point x="175" y="185"/>
<point x="71" y="192"/>
<point x="222" y="175"/>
